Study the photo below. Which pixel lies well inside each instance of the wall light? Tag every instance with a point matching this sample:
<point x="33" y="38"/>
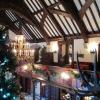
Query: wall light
<point x="40" y="78"/>
<point x="65" y="75"/>
<point x="43" y="84"/>
<point x="70" y="60"/>
<point x="92" y="47"/>
<point x="87" y="98"/>
<point x="25" y="67"/>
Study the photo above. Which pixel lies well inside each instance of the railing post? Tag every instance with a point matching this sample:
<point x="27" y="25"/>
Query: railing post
<point x="95" y="70"/>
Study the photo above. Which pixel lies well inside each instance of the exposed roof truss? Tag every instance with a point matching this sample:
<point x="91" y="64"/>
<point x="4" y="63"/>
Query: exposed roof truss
<point x="49" y="19"/>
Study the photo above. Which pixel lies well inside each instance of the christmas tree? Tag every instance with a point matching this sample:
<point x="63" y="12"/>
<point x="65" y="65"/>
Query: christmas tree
<point x="9" y="87"/>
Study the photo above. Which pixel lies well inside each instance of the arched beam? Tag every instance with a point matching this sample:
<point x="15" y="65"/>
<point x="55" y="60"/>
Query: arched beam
<point x="8" y="26"/>
<point x="19" y="7"/>
<point x="85" y="7"/>
<point x="59" y="12"/>
<point x="71" y="9"/>
<point x="53" y="19"/>
<point x="4" y="20"/>
<point x="23" y="23"/>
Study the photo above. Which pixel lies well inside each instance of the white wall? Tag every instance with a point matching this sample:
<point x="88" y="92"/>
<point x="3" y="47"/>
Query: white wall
<point x="12" y="35"/>
<point x="80" y="48"/>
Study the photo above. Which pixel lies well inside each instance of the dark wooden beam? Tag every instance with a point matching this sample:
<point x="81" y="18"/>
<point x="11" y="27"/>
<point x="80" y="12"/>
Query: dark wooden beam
<point x="53" y="5"/>
<point x="39" y="11"/>
<point x="23" y="23"/>
<point x="30" y="33"/>
<point x="43" y="19"/>
<point x="71" y="8"/>
<point x="52" y="18"/>
<point x="67" y="51"/>
<point x="85" y="7"/>
<point x="59" y="12"/>
<point x="20" y="8"/>
<point x="6" y="28"/>
<point x="8" y="23"/>
<point x="90" y="35"/>
<point x="15" y="21"/>
<point x="59" y="52"/>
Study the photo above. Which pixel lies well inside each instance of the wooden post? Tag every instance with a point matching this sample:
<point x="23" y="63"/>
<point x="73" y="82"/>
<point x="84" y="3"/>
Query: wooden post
<point x="59" y="52"/>
<point x="72" y="42"/>
<point x="63" y="55"/>
<point x="98" y="53"/>
<point x="49" y="95"/>
<point x="40" y="90"/>
<point x="67" y="52"/>
<point x="95" y="69"/>
<point x="33" y="90"/>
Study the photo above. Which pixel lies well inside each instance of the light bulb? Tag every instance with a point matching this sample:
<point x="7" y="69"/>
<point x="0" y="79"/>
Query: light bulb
<point x="8" y="94"/>
<point x="65" y="75"/>
<point x="25" y="67"/>
<point x="1" y="89"/>
<point x="4" y="96"/>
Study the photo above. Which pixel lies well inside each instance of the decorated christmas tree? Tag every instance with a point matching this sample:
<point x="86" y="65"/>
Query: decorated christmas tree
<point x="9" y="87"/>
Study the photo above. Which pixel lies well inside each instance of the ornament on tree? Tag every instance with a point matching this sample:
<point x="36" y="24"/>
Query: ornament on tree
<point x="9" y="89"/>
<point x="3" y="37"/>
<point x="4" y="62"/>
<point x="8" y="75"/>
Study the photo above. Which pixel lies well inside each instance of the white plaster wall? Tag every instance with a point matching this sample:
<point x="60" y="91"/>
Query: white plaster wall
<point x="80" y="48"/>
<point x="63" y="49"/>
<point x="54" y="48"/>
<point x="12" y="35"/>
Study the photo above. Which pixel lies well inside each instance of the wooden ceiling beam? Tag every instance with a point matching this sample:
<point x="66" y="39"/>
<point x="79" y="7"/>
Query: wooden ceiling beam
<point x="30" y="32"/>
<point x="6" y="28"/>
<point x="39" y="11"/>
<point x="90" y="35"/>
<point x="53" y="5"/>
<point x="23" y="23"/>
<point x="59" y="12"/>
<point x="43" y="19"/>
<point x="52" y="18"/>
<point x="8" y="23"/>
<point x="85" y="7"/>
<point x="15" y="21"/>
<point x="71" y="8"/>
<point x="20" y="8"/>
<point x="49" y="7"/>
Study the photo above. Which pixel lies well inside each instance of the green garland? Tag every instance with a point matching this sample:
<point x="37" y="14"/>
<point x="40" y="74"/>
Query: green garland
<point x="39" y="71"/>
<point x="76" y="75"/>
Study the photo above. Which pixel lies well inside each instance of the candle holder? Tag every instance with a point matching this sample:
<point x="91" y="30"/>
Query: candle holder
<point x="93" y="51"/>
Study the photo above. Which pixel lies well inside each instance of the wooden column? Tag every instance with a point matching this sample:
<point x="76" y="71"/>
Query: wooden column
<point x="63" y="55"/>
<point x="72" y="42"/>
<point x="99" y="53"/>
<point x="33" y="90"/>
<point x="22" y="82"/>
<point x="59" y="52"/>
<point x="40" y="90"/>
<point x="67" y="52"/>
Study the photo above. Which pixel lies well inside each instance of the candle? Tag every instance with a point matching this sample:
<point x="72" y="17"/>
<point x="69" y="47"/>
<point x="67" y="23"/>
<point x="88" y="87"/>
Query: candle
<point x="20" y="52"/>
<point x="16" y="39"/>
